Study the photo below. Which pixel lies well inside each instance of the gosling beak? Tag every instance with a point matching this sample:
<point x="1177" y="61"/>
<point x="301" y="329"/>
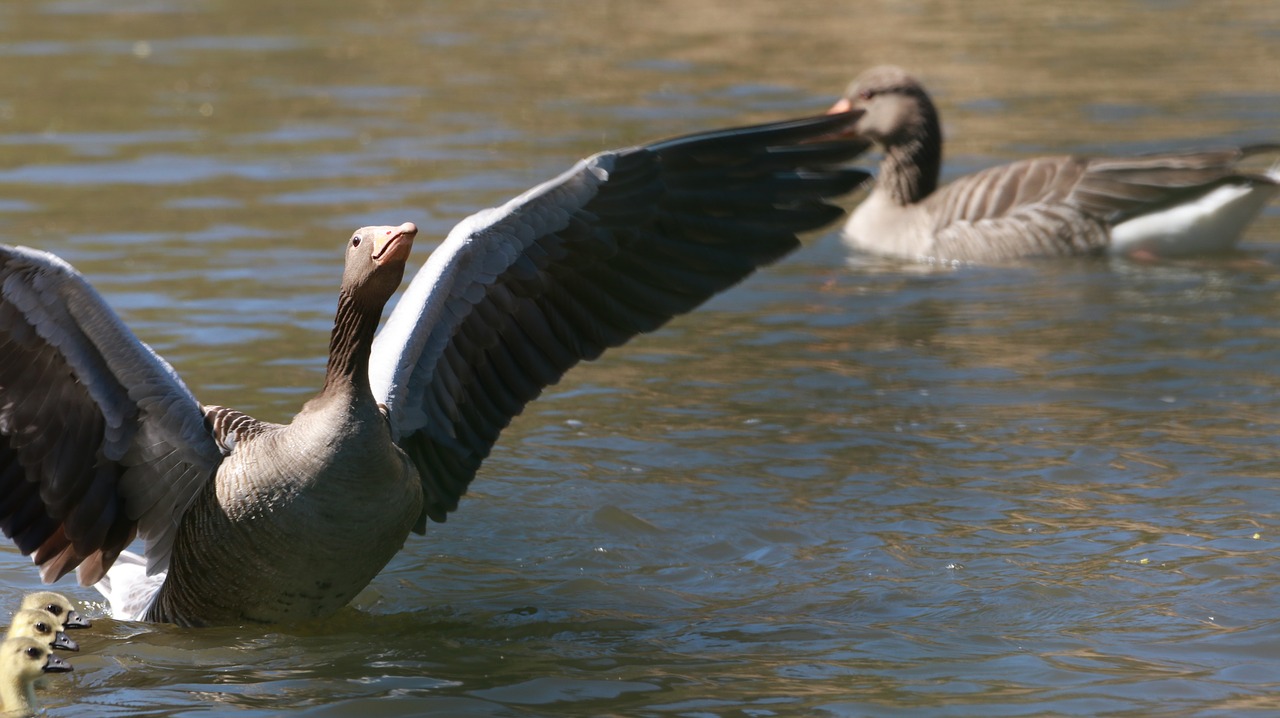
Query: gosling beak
<point x="63" y="641"/>
<point x="393" y="243"/>
<point x="54" y="664"/>
<point x="75" y="620"/>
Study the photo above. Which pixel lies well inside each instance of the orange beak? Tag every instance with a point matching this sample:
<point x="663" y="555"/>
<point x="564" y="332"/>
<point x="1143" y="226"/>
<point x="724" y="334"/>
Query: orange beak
<point x="842" y="105"/>
<point x="393" y="243"/>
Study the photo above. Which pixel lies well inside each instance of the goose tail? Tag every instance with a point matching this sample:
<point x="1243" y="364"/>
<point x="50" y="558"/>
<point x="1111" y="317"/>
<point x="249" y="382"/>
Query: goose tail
<point x="128" y="589"/>
<point x="1214" y="222"/>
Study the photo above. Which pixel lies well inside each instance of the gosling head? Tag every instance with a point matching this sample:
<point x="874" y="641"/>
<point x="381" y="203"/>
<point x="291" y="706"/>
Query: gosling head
<point x="57" y="604"/>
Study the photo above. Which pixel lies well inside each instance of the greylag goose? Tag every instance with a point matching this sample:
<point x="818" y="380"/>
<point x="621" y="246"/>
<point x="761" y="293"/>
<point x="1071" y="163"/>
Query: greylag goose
<point x="253" y="521"/>
<point x="22" y="661"/>
<point x="55" y="603"/>
<point x="42" y="626"/>
<point x="1160" y="204"/>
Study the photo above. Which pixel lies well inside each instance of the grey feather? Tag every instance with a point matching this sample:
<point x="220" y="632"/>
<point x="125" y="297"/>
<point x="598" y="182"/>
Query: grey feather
<point x="615" y="246"/>
<point x="132" y="451"/>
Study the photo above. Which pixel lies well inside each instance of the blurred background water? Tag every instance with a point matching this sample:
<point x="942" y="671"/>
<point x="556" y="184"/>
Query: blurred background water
<point x="843" y="488"/>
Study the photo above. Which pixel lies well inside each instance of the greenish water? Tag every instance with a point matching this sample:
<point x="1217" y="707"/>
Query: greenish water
<point x="843" y="488"/>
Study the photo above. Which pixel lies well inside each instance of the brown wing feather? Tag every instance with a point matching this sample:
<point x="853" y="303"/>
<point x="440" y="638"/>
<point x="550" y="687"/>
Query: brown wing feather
<point x="1067" y="205"/>
<point x="99" y="439"/>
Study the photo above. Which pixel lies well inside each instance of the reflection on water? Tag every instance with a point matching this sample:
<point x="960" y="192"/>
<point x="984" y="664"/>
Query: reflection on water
<point x="846" y="487"/>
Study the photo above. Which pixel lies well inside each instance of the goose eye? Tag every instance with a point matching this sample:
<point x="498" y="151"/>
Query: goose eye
<point x="33" y="652"/>
<point x="42" y="627"/>
<point x="355" y="241"/>
<point x="54" y="609"/>
<point x="866" y="94"/>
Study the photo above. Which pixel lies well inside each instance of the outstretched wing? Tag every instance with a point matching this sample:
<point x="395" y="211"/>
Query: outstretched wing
<point x="99" y="438"/>
<point x="616" y="246"/>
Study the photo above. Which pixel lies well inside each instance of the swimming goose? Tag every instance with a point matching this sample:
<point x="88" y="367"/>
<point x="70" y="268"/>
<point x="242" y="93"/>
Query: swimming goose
<point x="42" y="626"/>
<point x="55" y="603"/>
<point x="252" y="521"/>
<point x="22" y="661"/>
<point x="1161" y="204"/>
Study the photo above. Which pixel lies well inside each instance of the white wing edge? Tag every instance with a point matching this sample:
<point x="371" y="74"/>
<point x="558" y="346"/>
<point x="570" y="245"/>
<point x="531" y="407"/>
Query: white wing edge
<point x="169" y="412"/>
<point x="453" y="267"/>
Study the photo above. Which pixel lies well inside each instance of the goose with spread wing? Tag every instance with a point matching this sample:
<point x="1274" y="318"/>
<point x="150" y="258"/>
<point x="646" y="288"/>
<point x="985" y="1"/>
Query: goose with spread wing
<point x="247" y="521"/>
<point x="1149" y="205"/>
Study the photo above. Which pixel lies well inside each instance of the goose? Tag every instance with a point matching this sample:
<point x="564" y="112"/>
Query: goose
<point x="22" y="661"/>
<point x="55" y="603"/>
<point x="1150" y="205"/>
<point x="42" y="626"/>
<point x="249" y="521"/>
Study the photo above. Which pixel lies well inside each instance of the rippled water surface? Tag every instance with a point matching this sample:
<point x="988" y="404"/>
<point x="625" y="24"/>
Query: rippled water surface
<point x="843" y="488"/>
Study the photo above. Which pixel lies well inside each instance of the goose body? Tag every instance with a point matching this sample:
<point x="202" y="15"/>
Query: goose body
<point x="242" y="520"/>
<point x="1162" y="204"/>
<point x="346" y="501"/>
<point x="22" y="661"/>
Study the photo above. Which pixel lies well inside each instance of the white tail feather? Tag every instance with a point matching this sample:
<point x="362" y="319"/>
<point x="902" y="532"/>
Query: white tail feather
<point x="127" y="587"/>
<point x="1211" y="223"/>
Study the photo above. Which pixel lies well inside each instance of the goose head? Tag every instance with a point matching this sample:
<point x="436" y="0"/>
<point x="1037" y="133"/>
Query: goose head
<point x="57" y="604"/>
<point x="896" y="108"/>
<point x="42" y="626"/>
<point x="375" y="261"/>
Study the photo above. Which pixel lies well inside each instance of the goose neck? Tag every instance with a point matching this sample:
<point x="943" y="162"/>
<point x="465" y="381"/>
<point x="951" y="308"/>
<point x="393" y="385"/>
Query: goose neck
<point x="354" y="327"/>
<point x="912" y="162"/>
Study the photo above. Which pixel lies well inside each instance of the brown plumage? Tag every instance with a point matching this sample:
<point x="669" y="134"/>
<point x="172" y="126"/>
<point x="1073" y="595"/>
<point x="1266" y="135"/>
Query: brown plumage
<point x="1173" y="203"/>
<point x="244" y="520"/>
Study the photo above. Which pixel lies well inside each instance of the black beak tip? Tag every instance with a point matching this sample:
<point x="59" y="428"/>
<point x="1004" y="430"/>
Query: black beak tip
<point x="65" y="642"/>
<point x="56" y="665"/>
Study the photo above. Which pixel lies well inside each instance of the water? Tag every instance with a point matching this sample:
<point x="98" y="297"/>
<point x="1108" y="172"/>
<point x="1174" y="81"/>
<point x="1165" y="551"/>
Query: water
<point x="843" y="488"/>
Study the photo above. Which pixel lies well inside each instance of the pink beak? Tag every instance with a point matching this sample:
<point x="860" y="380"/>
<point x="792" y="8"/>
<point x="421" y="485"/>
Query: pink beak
<point x="842" y="105"/>
<point x="393" y="242"/>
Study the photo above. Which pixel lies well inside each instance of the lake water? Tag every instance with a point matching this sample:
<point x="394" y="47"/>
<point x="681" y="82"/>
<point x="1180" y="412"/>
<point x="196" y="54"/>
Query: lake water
<point x="843" y="488"/>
